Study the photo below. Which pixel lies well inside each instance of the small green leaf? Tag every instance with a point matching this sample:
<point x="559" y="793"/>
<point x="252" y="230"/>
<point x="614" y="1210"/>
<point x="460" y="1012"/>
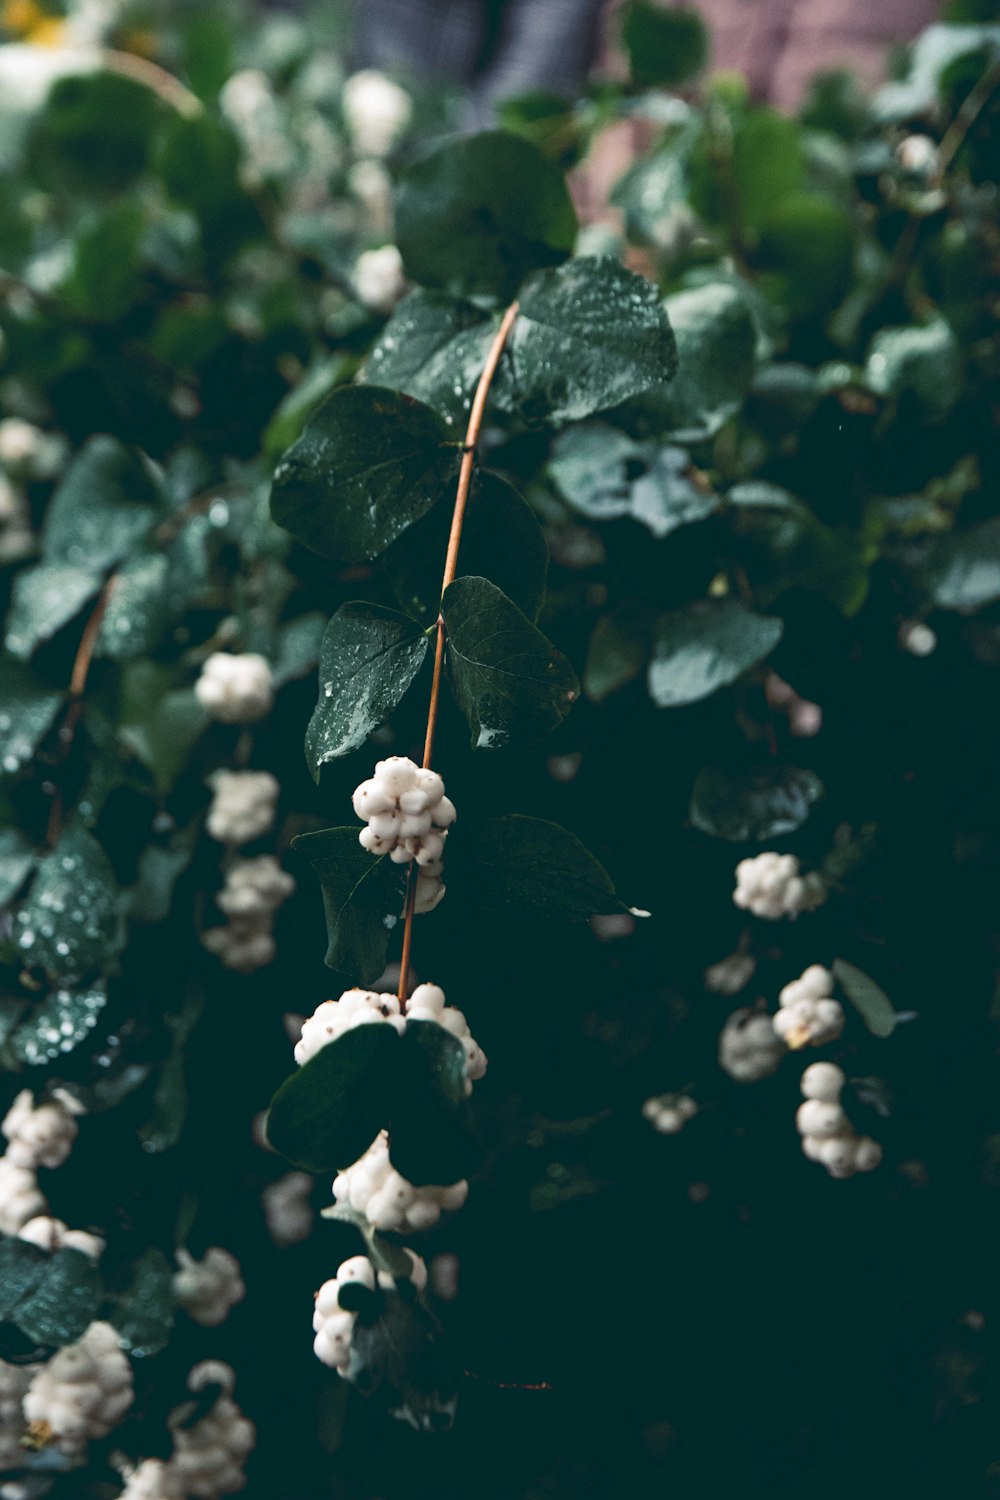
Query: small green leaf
<point x="501" y="540"/>
<point x="106" y="275"/>
<point x="589" y="335"/>
<point x="433" y="348"/>
<point x="753" y="804"/>
<point x="199" y="163"/>
<point x="27" y="711"/>
<point x="508" y="679"/>
<point x="140" y="607"/>
<point x="872" y="1003"/>
<point x="706" y="646"/>
<point x="403" y="1355"/>
<point x="22" y="1266"/>
<point x="522" y="864"/>
<point x="925" y="363"/>
<point x="475" y="214"/>
<point x="603" y="473"/>
<point x="430" y="1139"/>
<point x="368" y="659"/>
<point x="664" y="47"/>
<point x="768" y="165"/>
<point x="297" y="648"/>
<point x="369" y="463"/>
<point x="362" y="898"/>
<point x="619" y="649"/>
<point x="63" y="1020"/>
<point x="159" y="723"/>
<point x="716" y="355"/>
<point x="963" y="570"/>
<point x="44" y="599"/>
<point x="144" y="1315"/>
<point x="93" y="134"/>
<point x="316" y="384"/>
<point x="70" y="922"/>
<point x="784" y="546"/>
<point x="329" y="1111"/>
<point x="63" y="1302"/>
<point x="17" y="860"/>
<point x="106" y="502"/>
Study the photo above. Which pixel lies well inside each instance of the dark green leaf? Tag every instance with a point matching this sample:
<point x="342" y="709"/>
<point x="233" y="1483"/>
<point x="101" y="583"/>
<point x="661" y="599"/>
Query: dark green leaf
<point x="170" y="1100"/>
<point x="362" y="897"/>
<point x="925" y="363"/>
<point x="107" y="500"/>
<point x="368" y="464"/>
<point x="17" y="860"/>
<point x="70" y="922"/>
<point x="368" y="659"/>
<point x="509" y="680"/>
<point x="664" y="47"/>
<point x="159" y="723"/>
<point x="716" y="353"/>
<point x="22" y="1266"/>
<point x="872" y="1003"/>
<point x="706" y="646"/>
<point x="403" y="1355"/>
<point x="330" y="1110"/>
<point x="963" y="571"/>
<point x="753" y="804"/>
<point x="140" y="607"/>
<point x="63" y="1020"/>
<point x="297" y="649"/>
<point x="768" y="165"/>
<point x="316" y="384"/>
<point x="619" y="649"/>
<point x="27" y="710"/>
<point x="45" y="598"/>
<point x="590" y="335"/>
<point x="603" y="473"/>
<point x="159" y="868"/>
<point x="522" y="864"/>
<point x="501" y="540"/>
<point x="475" y="214"/>
<point x="144" y="1316"/>
<point x="784" y="546"/>
<point x="807" y="246"/>
<point x="433" y="348"/>
<point x="94" y="134"/>
<point x="430" y="1139"/>
<point x="62" y="1304"/>
<point x="106" y="275"/>
<point x="199" y="163"/>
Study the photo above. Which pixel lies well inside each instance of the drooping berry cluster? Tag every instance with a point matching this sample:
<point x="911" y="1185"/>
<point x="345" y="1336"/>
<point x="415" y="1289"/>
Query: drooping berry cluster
<point x="771" y="886"/>
<point x="235" y="689"/>
<point x="669" y="1113"/>
<point x="408" y="817"/>
<point x="334" y="1319"/>
<point x="208" y="1289"/>
<point x="253" y="891"/>
<point x="243" y="805"/>
<point x="827" y="1134"/>
<point x="808" y="1015"/>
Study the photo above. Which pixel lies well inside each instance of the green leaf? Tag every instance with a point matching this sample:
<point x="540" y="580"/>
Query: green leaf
<point x="664" y="47"/>
<point x="430" y="1140"/>
<point x="159" y="723"/>
<point x="94" y="133"/>
<point x="21" y="1268"/>
<point x="434" y="348"/>
<point x="27" y="711"/>
<point x="716" y="353"/>
<point x="963" y="571"/>
<point x="298" y="406"/>
<point x="403" y="1355"/>
<point x="106" y="502"/>
<point x="44" y="599"/>
<point x="140" y="607"/>
<point x="508" y="679"/>
<point x="768" y="165"/>
<point x="619" y="649"/>
<point x="106" y="276"/>
<point x="522" y="864"/>
<point x="590" y="335"/>
<point x="330" y="1110"/>
<point x="63" y="1020"/>
<point x="297" y="648"/>
<point x="368" y="659"/>
<point x="807" y="247"/>
<point x="199" y="163"/>
<point x="362" y="898"/>
<point x="144" y="1316"/>
<point x="159" y="867"/>
<point x="603" y="473"/>
<point x="751" y="804"/>
<point x="783" y="546"/>
<point x="872" y="1003"/>
<point x="475" y="214"/>
<point x="501" y="540"/>
<point x="369" y="463"/>
<point x="17" y="860"/>
<point x="706" y="646"/>
<point x="63" y="1302"/>
<point x="166" y="1120"/>
<point x="70" y="923"/>
<point x="925" y="363"/>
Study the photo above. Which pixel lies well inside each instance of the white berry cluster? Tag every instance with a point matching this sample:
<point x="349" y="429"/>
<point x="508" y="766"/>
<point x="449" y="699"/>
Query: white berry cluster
<point x="14" y="1382"/>
<point x="288" y="1209"/>
<point x="669" y="1113"/>
<point x="333" y="1325"/>
<point x="26" y="452"/>
<point x="39" y="1135"/>
<point x="379" y="280"/>
<point x="52" y="1234"/>
<point x="235" y="689"/>
<point x="243" y="805"/>
<point x="376" y="112"/>
<point x="248" y="102"/>
<point x="827" y="1134"/>
<point x="731" y="974"/>
<point x="808" y="1015"/>
<point x="805" y="719"/>
<point x="81" y="1393"/>
<point x="17" y="540"/>
<point x="748" y="1047"/>
<point x="408" y="817"/>
<point x="363" y="1007"/>
<point x="771" y="886"/>
<point x="210" y="1288"/>
<point x="374" y="1188"/>
<point x="152" y="1480"/>
<point x="253" y="891"/>
<point x="209" y="1456"/>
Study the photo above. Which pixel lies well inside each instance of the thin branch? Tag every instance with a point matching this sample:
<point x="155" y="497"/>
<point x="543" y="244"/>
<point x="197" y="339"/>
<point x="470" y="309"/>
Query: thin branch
<point x="450" y="569"/>
<point x="152" y="76"/>
<point x="77" y="688"/>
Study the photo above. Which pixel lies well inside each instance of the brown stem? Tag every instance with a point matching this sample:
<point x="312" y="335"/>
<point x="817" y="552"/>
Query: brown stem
<point x="152" y="76"/>
<point x="77" y="687"/>
<point x="450" y="569"/>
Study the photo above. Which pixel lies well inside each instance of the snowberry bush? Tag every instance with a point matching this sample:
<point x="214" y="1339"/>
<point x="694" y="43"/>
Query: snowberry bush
<point x="631" y="577"/>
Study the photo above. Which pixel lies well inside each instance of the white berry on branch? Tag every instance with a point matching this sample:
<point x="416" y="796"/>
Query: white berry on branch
<point x="808" y="1015"/>
<point x="771" y="886"/>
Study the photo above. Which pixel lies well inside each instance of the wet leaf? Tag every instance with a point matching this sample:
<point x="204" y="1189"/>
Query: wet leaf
<point x="63" y="1020"/>
<point x="70" y="922"/>
<point x="528" y="865"/>
<point x="751" y="804"/>
<point x="603" y="473"/>
<point x="326" y="1115"/>
<point x="706" y="646"/>
<point x="362" y="898"/>
<point x="144" y="1316"/>
<point x="28" y="708"/>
